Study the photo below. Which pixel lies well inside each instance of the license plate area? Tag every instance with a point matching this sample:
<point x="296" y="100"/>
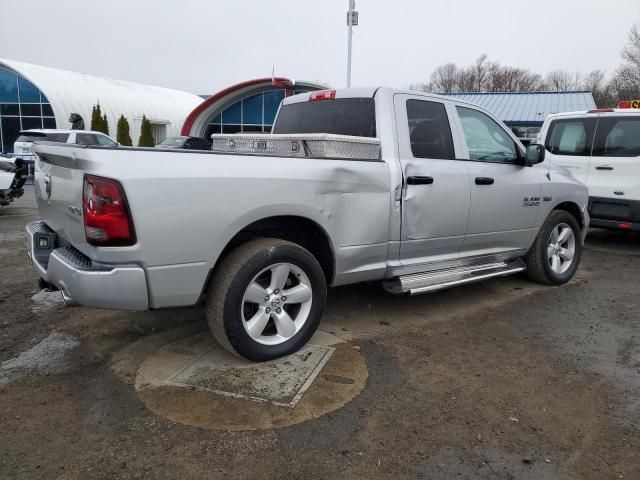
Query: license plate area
<point x="43" y="244"/>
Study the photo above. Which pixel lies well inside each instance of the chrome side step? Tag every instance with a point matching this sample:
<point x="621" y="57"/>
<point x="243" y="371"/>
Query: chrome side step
<point x="425" y="282"/>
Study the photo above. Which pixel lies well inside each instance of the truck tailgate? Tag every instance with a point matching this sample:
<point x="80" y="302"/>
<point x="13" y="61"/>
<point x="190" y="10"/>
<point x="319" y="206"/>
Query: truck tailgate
<point x="58" y="182"/>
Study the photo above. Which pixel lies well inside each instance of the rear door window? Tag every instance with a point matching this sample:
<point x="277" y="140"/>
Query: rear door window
<point x="104" y="140"/>
<point x="86" y="139"/>
<point x="572" y="137"/>
<point x="341" y="116"/>
<point x="429" y="130"/>
<point x="617" y="137"/>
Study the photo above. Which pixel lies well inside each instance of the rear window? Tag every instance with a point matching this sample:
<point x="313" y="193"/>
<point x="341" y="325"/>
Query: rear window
<point x="342" y="116"/>
<point x="571" y="137"/>
<point x="42" y="137"/>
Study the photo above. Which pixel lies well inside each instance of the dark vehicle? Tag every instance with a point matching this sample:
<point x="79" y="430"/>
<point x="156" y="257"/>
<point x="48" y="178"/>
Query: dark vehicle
<point x="185" y="143"/>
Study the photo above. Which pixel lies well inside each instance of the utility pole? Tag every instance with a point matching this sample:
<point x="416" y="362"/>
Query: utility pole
<point x="352" y="20"/>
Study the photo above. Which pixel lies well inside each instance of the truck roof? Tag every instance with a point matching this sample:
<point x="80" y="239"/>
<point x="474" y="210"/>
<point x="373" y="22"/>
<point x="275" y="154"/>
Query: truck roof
<point x="370" y="92"/>
<point x="597" y="111"/>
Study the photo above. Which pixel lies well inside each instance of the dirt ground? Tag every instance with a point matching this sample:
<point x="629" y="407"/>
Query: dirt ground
<point x="500" y="380"/>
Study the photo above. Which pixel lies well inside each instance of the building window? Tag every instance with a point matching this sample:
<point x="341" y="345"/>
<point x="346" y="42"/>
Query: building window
<point x="22" y="107"/>
<point x="253" y="114"/>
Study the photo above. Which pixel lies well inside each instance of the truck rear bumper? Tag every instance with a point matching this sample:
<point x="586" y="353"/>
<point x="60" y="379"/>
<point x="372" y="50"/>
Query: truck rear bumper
<point x="84" y="282"/>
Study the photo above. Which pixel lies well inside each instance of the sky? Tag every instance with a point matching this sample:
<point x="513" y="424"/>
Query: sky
<point x="203" y="46"/>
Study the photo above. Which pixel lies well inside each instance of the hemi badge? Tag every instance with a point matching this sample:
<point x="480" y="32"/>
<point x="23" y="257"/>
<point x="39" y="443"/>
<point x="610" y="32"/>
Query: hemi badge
<point x="547" y="199"/>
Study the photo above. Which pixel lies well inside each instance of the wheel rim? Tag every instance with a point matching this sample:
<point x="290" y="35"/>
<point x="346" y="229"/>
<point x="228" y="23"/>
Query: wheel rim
<point x="276" y="304"/>
<point x="561" y="249"/>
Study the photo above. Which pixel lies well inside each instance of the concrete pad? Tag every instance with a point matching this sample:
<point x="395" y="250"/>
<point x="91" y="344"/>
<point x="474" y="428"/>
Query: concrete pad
<point x="200" y="363"/>
<point x="196" y="382"/>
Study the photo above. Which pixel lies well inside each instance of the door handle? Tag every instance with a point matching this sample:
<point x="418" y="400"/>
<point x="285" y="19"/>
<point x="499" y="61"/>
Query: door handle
<point x="604" y="167"/>
<point x="484" y="181"/>
<point x="419" y="180"/>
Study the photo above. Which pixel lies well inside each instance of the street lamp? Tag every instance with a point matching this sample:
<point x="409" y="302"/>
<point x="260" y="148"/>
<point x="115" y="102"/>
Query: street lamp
<point x="352" y="21"/>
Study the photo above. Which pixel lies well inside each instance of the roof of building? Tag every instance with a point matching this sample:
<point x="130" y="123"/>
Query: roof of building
<point x="71" y="92"/>
<point x="528" y="108"/>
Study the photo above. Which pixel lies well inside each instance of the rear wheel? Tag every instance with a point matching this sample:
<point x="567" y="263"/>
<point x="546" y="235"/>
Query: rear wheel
<point x="555" y="254"/>
<point x="265" y="299"/>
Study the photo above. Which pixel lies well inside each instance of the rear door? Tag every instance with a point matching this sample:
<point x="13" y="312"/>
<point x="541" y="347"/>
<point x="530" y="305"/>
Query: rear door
<point x="615" y="166"/>
<point x="505" y="196"/>
<point x="435" y="194"/>
<point x="568" y="141"/>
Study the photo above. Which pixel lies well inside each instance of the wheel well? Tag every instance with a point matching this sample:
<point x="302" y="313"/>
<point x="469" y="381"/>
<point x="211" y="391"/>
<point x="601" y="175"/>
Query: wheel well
<point x="300" y="230"/>
<point x="573" y="209"/>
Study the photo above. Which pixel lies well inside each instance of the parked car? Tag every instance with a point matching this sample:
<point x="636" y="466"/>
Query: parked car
<point x="22" y="146"/>
<point x="602" y="149"/>
<point x="419" y="191"/>
<point x="13" y="174"/>
<point x="185" y="143"/>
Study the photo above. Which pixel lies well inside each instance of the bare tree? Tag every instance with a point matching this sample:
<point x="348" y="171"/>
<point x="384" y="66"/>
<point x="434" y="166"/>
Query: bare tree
<point x="445" y="78"/>
<point x="562" y="81"/>
<point x="631" y="52"/>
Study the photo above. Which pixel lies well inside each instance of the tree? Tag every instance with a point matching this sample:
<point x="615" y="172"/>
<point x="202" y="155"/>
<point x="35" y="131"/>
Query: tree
<point x="105" y="125"/>
<point x="146" y="135"/>
<point x="123" y="136"/>
<point x="562" y="81"/>
<point x="96" y="118"/>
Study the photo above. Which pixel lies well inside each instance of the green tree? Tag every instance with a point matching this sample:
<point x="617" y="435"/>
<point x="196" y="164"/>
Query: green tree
<point x="105" y="125"/>
<point x="96" y="118"/>
<point x="123" y="136"/>
<point x="146" y="135"/>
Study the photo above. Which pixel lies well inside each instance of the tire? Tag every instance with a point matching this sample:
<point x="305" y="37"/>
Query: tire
<point x="541" y="266"/>
<point x="233" y="310"/>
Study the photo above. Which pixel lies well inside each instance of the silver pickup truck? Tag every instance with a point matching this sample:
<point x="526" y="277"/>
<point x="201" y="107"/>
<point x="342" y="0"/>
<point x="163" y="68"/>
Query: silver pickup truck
<point x="418" y="191"/>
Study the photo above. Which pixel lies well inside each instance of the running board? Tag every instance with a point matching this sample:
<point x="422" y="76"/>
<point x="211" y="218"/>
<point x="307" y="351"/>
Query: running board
<point x="425" y="282"/>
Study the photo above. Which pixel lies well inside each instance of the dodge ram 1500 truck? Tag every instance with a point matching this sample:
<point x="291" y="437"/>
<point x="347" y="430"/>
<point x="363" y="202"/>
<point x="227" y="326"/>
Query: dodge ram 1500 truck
<point x="418" y="191"/>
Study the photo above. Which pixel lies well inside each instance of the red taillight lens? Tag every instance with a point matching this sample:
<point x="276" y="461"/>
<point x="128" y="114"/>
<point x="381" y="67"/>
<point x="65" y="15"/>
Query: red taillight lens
<point x="322" y="95"/>
<point x="107" y="221"/>
<point x="601" y="110"/>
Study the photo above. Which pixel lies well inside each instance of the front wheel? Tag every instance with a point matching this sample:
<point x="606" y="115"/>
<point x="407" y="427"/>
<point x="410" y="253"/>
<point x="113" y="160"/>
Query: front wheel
<point x="265" y="299"/>
<point x="556" y="251"/>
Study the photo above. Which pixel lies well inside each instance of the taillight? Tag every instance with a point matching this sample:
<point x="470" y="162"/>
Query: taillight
<point x="322" y="95"/>
<point x="107" y="221"/>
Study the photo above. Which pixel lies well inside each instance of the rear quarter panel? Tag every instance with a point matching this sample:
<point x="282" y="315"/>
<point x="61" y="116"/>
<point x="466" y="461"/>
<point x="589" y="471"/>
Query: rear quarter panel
<point x="186" y="207"/>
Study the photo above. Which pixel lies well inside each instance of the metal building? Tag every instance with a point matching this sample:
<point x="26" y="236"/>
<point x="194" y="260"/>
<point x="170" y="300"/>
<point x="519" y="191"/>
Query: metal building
<point x="33" y="96"/>
<point x="525" y="112"/>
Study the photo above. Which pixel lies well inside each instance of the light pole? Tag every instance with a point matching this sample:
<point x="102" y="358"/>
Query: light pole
<point x="352" y="20"/>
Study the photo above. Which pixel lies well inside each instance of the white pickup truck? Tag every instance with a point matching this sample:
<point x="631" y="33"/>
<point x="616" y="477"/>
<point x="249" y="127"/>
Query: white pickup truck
<point x="418" y="191"/>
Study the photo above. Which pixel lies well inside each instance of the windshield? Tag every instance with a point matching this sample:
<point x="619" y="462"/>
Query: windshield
<point x="172" y="142"/>
<point x="342" y="116"/>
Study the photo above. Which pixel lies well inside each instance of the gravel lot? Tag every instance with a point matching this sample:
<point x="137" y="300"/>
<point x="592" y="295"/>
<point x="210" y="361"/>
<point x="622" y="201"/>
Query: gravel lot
<point x="500" y="380"/>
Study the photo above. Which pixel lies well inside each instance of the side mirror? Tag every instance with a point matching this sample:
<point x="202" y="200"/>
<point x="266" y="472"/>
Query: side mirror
<point x="534" y="154"/>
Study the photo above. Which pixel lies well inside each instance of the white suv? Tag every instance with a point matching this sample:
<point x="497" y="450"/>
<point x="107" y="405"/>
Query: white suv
<point x="602" y="149"/>
<point x="22" y="146"/>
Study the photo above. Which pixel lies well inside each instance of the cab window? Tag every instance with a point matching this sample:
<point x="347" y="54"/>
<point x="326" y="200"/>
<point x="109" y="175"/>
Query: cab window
<point x="486" y="140"/>
<point x="429" y="130"/>
<point x="617" y="137"/>
<point x="570" y="137"/>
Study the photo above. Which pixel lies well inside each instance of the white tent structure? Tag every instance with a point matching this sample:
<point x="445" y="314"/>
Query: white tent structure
<point x="60" y="93"/>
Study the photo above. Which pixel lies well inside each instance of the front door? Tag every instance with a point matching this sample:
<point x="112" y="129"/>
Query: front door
<point x="435" y="195"/>
<point x="505" y="196"/>
<point x="568" y="143"/>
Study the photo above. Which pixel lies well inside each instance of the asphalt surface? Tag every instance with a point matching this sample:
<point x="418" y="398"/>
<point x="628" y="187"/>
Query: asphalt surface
<point x="500" y="380"/>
